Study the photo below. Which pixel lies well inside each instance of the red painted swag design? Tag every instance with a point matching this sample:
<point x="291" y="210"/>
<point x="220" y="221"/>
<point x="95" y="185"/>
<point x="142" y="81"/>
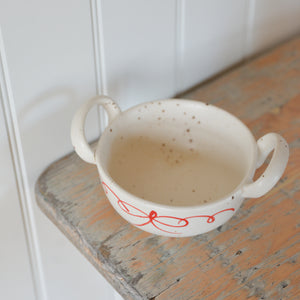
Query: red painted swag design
<point x="159" y="222"/>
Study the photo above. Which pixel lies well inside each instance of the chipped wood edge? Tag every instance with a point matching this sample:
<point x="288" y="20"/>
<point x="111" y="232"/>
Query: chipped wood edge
<point x="103" y="265"/>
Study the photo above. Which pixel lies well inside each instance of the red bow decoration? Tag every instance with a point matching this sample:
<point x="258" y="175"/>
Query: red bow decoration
<point x="159" y="221"/>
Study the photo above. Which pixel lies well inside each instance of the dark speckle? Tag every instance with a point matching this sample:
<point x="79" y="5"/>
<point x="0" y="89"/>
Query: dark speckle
<point x="105" y="251"/>
<point x="239" y="252"/>
<point x="232" y="197"/>
<point x="219" y="228"/>
<point x="163" y="111"/>
<point x="137" y="278"/>
<point x="283" y="179"/>
<point x="193" y="117"/>
<point x="139" y="118"/>
<point x="188" y="130"/>
<point x="284" y="284"/>
<point x="190" y="140"/>
<point x="110" y="130"/>
<point x="244" y="279"/>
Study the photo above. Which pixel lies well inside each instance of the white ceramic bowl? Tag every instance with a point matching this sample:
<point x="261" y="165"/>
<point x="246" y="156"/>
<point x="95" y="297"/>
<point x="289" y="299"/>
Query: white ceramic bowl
<point x="210" y="128"/>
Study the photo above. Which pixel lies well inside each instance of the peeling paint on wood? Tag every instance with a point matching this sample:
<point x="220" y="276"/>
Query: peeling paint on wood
<point x="253" y="256"/>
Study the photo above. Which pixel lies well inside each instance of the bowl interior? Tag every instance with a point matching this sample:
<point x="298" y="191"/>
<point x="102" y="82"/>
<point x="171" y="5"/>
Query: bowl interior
<point x="177" y="152"/>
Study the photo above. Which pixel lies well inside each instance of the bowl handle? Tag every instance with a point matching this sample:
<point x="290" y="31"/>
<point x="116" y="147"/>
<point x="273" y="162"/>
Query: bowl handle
<point x="78" y="138"/>
<point x="275" y="169"/>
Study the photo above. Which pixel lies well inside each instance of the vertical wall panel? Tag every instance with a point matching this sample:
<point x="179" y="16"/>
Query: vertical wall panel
<point x="14" y="263"/>
<point x="19" y="173"/>
<point x="50" y="58"/>
<point x="139" y="40"/>
<point x="214" y="38"/>
<point x="274" y="21"/>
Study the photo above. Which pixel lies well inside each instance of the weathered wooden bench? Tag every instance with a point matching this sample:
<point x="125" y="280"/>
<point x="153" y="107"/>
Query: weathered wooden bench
<point x="255" y="255"/>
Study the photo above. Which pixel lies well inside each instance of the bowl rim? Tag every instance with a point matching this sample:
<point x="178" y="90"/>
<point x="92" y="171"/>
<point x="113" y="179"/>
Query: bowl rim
<point x="233" y="195"/>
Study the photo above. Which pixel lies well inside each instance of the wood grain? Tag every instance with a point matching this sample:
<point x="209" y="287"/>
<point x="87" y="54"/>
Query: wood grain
<point x="253" y="256"/>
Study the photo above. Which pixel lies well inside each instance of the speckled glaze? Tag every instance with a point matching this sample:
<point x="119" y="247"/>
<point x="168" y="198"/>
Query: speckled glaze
<point x="193" y="125"/>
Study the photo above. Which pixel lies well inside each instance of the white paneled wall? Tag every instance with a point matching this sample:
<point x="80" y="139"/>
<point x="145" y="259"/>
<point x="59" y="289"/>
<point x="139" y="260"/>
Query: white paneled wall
<point x="14" y="263"/>
<point x="274" y="21"/>
<point x="139" y="45"/>
<point x="213" y="39"/>
<point x="59" y="53"/>
<point x="49" y="49"/>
